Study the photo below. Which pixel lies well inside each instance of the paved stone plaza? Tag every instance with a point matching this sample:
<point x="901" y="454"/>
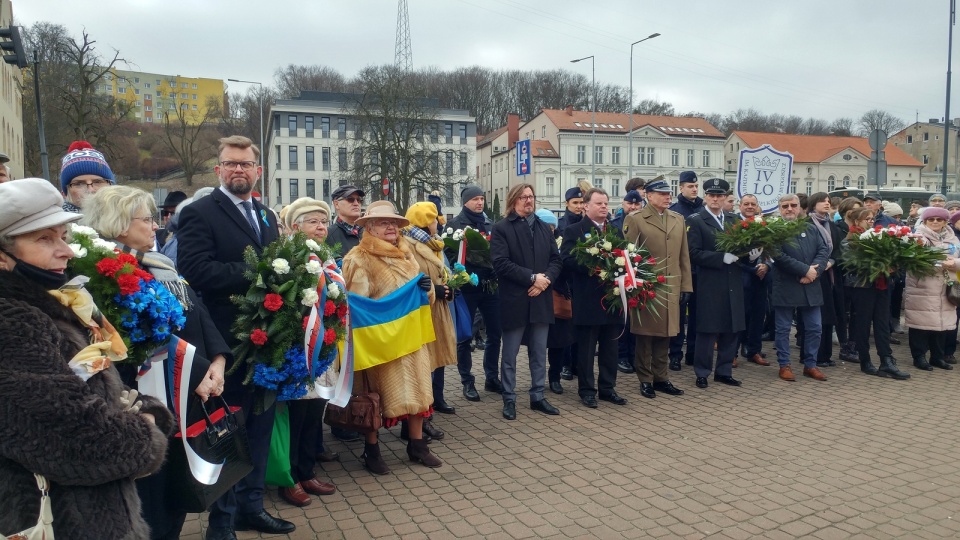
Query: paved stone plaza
<point x="852" y="457"/>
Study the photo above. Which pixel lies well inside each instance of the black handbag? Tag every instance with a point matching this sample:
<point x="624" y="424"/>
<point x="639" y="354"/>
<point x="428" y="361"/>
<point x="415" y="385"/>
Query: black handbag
<point x="953" y="292"/>
<point x="221" y="437"/>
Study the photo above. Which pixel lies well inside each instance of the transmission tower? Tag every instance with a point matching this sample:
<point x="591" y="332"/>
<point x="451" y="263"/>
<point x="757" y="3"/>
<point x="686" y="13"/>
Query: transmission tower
<point x="403" y="57"/>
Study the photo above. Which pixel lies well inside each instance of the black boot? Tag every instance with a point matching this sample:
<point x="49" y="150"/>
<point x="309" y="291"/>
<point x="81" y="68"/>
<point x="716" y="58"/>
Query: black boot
<point x="867" y="367"/>
<point x="888" y="368"/>
<point x="430" y="431"/>
<point x="417" y="451"/>
<point x="848" y="352"/>
<point x="939" y="363"/>
<point x="373" y="461"/>
<point x="405" y="432"/>
<point x="921" y="363"/>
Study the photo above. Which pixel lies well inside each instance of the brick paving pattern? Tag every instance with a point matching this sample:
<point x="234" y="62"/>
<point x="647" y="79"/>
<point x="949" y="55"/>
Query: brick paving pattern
<point x="852" y="457"/>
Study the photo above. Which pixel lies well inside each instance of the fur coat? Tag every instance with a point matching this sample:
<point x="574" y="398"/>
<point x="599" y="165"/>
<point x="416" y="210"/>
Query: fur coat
<point x="375" y="269"/>
<point x="443" y="351"/>
<point x="75" y="433"/>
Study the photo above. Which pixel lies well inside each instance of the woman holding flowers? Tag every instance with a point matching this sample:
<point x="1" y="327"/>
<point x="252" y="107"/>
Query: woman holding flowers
<point x="64" y="412"/>
<point x="930" y="317"/>
<point x="380" y="264"/>
<point x="125" y="216"/>
<point x="427" y="248"/>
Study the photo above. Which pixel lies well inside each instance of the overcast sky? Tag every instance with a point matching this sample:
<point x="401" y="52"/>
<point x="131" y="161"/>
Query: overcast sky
<point x="822" y="58"/>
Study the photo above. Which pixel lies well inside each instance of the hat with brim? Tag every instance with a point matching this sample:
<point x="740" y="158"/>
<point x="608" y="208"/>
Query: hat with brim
<point x="382" y="210"/>
<point x="343" y="192"/>
<point x="874" y="195"/>
<point x="29" y="205"/>
<point x="659" y="186"/>
<point x="304" y="205"/>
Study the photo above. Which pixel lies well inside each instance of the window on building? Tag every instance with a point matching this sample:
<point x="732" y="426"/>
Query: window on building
<point x="194" y="86"/>
<point x="435" y="163"/>
<point x="308" y="125"/>
<point x="310" y="159"/>
<point x="448" y="132"/>
<point x="292" y="124"/>
<point x="136" y="91"/>
<point x="543" y="132"/>
<point x="121" y="90"/>
<point x="136" y="80"/>
<point x="433" y="133"/>
<point x="831" y="183"/>
<point x="809" y="188"/>
<point x="549" y="186"/>
<point x="926" y="136"/>
<point x="146" y="85"/>
<point x="706" y="158"/>
<point x="463" y="134"/>
<point x="598" y="182"/>
<point x="598" y="154"/>
<point x="358" y="159"/>
<point x="194" y="107"/>
<point x="326" y="189"/>
<point x="150" y="119"/>
<point x="183" y="96"/>
<point x="325" y="156"/>
<point x="463" y="163"/>
<point x="909" y="139"/>
<point x="148" y="96"/>
<point x="581" y="153"/>
<point x="293" y="158"/>
<point x="650" y="156"/>
<point x="449" y="163"/>
<point x="277" y="153"/>
<point x="183" y="85"/>
<point x="341" y="128"/>
<point x="690" y="158"/>
<point x="173" y="84"/>
<point x="294" y="189"/>
<point x="675" y="185"/>
<point x="325" y="126"/>
<point x="926" y="159"/>
<point x="615" y="187"/>
<point x="342" y="158"/>
<point x="148" y="108"/>
<point x="861" y="182"/>
<point x="280" y="191"/>
<point x="276" y="125"/>
<point x="675" y="157"/>
<point x="311" y="188"/>
<point x="194" y="96"/>
<point x="615" y="155"/>
<point x="109" y="88"/>
<point x="641" y="155"/>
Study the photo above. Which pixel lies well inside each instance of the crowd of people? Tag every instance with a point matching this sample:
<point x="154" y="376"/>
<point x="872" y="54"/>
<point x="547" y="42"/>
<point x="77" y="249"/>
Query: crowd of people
<point x="532" y="290"/>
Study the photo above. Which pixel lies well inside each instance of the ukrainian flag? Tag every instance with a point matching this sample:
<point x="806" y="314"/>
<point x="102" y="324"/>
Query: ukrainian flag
<point x="390" y="327"/>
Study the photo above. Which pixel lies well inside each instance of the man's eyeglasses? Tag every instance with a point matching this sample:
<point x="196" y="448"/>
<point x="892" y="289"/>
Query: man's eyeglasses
<point x="88" y="183"/>
<point x="232" y="165"/>
<point x="149" y="220"/>
<point x="792" y="205"/>
<point x="352" y="200"/>
<point x="315" y="222"/>
<point x="527" y="197"/>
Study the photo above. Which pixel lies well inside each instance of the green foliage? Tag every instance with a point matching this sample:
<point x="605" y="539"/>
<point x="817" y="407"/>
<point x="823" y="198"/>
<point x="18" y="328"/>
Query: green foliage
<point x="770" y="234"/>
<point x="886" y="251"/>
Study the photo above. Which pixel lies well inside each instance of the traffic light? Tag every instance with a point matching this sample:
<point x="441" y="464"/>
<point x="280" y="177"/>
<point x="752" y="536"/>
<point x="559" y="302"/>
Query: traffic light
<point x="13" y="44"/>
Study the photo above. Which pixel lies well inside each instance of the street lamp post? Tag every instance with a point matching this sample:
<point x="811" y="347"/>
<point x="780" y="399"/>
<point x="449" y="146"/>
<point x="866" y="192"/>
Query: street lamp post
<point x="946" y="114"/>
<point x="593" y="115"/>
<point x="263" y="191"/>
<point x="630" y="112"/>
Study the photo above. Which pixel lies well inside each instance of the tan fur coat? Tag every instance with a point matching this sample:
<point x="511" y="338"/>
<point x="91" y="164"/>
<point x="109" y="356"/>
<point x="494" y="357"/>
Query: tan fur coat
<point x="443" y="351"/>
<point x="375" y="269"/>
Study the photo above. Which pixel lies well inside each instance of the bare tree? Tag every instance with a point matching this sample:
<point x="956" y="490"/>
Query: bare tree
<point x="879" y="119"/>
<point x="842" y="127"/>
<point x="191" y="136"/>
<point x="653" y="106"/>
<point x="293" y="79"/>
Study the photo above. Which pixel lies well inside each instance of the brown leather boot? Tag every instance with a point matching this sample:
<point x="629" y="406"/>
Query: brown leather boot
<point x="373" y="461"/>
<point x="418" y="452"/>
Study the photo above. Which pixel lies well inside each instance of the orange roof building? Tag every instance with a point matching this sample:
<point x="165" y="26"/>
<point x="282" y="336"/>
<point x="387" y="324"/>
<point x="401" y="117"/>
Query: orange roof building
<point x="826" y="162"/>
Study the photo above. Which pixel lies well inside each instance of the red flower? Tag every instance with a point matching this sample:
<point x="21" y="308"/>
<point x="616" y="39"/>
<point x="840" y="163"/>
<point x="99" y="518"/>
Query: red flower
<point x="329" y="308"/>
<point x="877" y="228"/>
<point x="126" y="258"/>
<point x="763" y="223"/>
<point x="745" y="224"/>
<point x="273" y="302"/>
<point x="651" y="260"/>
<point x="258" y="337"/>
<point x="129" y="284"/>
<point x="329" y="336"/>
<point x="661" y="279"/>
<point x="633" y="302"/>
<point x="651" y="294"/>
<point x="144" y="275"/>
<point x="637" y="258"/>
<point x="342" y="311"/>
<point x="108" y="267"/>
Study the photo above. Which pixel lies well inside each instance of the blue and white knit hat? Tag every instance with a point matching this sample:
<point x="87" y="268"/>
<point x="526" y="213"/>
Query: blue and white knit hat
<point x="82" y="159"/>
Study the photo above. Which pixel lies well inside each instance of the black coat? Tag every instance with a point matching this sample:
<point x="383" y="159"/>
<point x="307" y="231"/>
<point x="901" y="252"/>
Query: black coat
<point x="567" y="219"/>
<point x="485" y="274"/>
<point x="519" y="251"/>
<point x="588" y="291"/>
<point x="337" y="236"/>
<point x="685" y="207"/>
<point x="794" y="263"/>
<point x="718" y="286"/>
<point x="212" y="236"/>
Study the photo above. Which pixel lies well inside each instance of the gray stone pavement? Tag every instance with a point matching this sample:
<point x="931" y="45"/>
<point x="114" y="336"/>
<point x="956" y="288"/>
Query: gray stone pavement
<point x="852" y="457"/>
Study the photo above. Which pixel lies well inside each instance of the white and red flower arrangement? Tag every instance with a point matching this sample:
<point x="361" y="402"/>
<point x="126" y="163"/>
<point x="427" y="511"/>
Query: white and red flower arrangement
<point x="883" y="251"/>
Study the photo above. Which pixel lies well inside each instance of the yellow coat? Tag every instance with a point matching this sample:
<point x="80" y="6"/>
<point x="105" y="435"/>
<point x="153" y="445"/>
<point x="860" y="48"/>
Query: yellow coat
<point x="375" y="269"/>
<point x="443" y="351"/>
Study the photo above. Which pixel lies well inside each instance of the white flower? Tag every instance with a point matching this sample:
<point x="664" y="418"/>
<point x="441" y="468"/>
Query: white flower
<point x="103" y="244"/>
<point x="449" y="230"/>
<point x="78" y="250"/>
<point x="631" y="248"/>
<point x="314" y="267"/>
<point x="333" y="291"/>
<point x="593" y="251"/>
<point x="616" y="290"/>
<point x="83" y="230"/>
<point x="603" y="274"/>
<point x="281" y="266"/>
<point x="312" y="244"/>
<point x="458" y="235"/>
<point x="619" y="261"/>
<point x="310" y="297"/>
<point x="607" y="246"/>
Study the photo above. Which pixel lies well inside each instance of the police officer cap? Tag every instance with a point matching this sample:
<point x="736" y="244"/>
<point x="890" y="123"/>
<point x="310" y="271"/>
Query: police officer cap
<point x="688" y="177"/>
<point x="716" y="186"/>
<point x="632" y="196"/>
<point x="659" y="186"/>
<point x="573" y="193"/>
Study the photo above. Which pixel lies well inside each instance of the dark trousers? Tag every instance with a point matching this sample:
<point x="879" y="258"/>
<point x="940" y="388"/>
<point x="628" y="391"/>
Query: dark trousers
<point x="726" y="349"/>
<point x="601" y="338"/>
<point x="489" y="306"/>
<point x="626" y="346"/>
<point x="247" y="496"/>
<point x="158" y="502"/>
<point x="557" y="357"/>
<point x="305" y="422"/>
<point x="436" y="380"/>
<point x="871" y="306"/>
<point x="950" y="339"/>
<point x="755" y="304"/>
<point x="924" y="341"/>
<point x="840" y="311"/>
<point x="896" y="298"/>
<point x="688" y="330"/>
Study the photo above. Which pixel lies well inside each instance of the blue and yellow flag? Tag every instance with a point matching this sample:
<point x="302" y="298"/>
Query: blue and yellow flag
<point x="390" y="327"/>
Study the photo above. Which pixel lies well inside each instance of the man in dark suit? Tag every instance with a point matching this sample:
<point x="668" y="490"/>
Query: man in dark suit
<point x="688" y="203"/>
<point x="719" y="284"/>
<point x="596" y="328"/>
<point x="214" y="231"/>
<point x="526" y="260"/>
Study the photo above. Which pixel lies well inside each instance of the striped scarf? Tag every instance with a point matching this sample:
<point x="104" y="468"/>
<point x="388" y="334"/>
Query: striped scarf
<point x="163" y="270"/>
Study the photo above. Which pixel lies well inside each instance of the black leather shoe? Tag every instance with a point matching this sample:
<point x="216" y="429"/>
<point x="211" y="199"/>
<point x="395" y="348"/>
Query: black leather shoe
<point x="444" y="408"/>
<point x="826" y="363"/>
<point x="480" y="345"/>
<point x="555" y="387"/>
<point x="263" y="522"/>
<point x="667" y="387"/>
<point x="894" y="341"/>
<point x="940" y="364"/>
<point x="328" y="457"/>
<point x="219" y="533"/>
<point x="624" y="367"/>
<point x="688" y="361"/>
<point x="701" y="382"/>
<point x="646" y="390"/>
<point x="470" y="392"/>
<point x="493" y="385"/>
<point x="726" y="379"/>
<point x="589" y="401"/>
<point x="345" y="435"/>
<point x="675" y="364"/>
<point x="613" y="398"/>
<point x="544" y="406"/>
<point x="510" y="410"/>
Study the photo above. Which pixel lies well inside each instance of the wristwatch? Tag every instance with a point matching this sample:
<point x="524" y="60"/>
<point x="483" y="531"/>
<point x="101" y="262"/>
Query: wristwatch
<point x="533" y="278"/>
